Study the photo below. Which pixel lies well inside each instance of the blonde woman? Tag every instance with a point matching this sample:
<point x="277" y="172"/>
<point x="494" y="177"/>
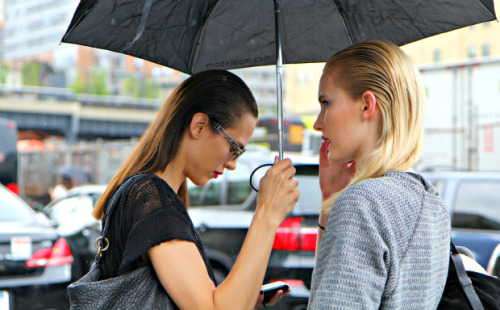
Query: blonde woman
<point x="384" y="232"/>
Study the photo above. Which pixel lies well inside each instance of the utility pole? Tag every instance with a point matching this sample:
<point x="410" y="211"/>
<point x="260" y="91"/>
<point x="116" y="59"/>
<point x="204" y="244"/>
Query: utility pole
<point x="472" y="150"/>
<point x="455" y="131"/>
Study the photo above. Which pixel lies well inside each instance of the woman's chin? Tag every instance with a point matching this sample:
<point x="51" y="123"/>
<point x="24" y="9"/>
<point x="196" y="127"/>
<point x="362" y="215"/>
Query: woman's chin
<point x="333" y="159"/>
<point x="199" y="181"/>
<point x="337" y="160"/>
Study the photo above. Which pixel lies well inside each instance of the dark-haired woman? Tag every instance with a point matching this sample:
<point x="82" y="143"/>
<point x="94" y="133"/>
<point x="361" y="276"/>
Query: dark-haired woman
<point x="201" y="130"/>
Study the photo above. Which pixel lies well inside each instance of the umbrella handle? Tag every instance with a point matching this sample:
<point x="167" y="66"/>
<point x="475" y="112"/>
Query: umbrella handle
<point x="253" y="172"/>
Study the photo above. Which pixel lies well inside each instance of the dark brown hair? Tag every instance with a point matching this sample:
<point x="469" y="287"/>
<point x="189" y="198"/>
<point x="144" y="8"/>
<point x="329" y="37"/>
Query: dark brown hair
<point x="221" y="95"/>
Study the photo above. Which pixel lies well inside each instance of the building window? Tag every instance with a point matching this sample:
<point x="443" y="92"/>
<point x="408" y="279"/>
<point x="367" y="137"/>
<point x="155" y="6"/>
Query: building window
<point x="486" y="50"/>
<point x="309" y="77"/>
<point x="138" y="63"/>
<point x="471" y="51"/>
<point x="437" y="55"/>
<point x="300" y="77"/>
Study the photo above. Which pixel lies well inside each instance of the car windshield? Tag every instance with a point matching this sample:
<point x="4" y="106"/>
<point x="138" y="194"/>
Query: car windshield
<point x="71" y="206"/>
<point x="477" y="205"/>
<point x="310" y="195"/>
<point x="231" y="189"/>
<point x="13" y="209"/>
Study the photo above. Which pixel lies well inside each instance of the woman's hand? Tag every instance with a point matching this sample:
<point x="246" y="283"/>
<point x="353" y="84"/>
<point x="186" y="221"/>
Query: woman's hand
<point x="333" y="177"/>
<point x="277" y="297"/>
<point x="278" y="191"/>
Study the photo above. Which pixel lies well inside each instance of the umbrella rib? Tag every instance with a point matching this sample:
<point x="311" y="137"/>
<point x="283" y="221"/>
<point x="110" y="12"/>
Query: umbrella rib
<point x="347" y="30"/>
<point x="195" y="50"/>
<point x="142" y="25"/>
<point x="89" y="6"/>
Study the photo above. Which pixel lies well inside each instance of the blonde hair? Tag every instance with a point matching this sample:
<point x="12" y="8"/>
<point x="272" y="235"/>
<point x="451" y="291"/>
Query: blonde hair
<point x="384" y="69"/>
<point x="220" y="94"/>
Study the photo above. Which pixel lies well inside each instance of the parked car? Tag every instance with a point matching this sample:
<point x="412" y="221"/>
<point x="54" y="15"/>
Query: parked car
<point x="473" y="199"/>
<point x="8" y="154"/>
<point x="223" y="209"/>
<point x="494" y="263"/>
<point x="36" y="263"/>
<point x="71" y="214"/>
<point x="222" y="212"/>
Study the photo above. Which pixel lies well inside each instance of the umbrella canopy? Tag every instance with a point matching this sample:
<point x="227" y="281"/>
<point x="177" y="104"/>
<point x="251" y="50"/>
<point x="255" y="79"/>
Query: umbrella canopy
<point x="76" y="175"/>
<point x="196" y="35"/>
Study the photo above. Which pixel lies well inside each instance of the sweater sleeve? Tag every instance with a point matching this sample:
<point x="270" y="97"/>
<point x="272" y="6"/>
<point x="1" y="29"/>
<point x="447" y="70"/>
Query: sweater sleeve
<point x="352" y="265"/>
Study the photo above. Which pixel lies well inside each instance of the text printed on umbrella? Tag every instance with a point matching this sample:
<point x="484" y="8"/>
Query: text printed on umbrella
<point x="239" y="62"/>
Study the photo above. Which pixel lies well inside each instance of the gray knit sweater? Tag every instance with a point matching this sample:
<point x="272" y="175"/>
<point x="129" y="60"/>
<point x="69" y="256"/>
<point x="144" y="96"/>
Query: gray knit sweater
<point x="386" y="246"/>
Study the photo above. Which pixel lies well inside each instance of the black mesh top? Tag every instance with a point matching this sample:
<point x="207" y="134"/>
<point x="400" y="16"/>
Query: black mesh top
<point x="147" y="213"/>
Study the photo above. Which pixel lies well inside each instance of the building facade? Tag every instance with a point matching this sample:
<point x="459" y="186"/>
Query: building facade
<point x="34" y="28"/>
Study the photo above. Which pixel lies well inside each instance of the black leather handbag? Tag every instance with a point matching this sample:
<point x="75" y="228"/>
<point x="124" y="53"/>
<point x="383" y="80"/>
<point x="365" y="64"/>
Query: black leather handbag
<point x="469" y="289"/>
<point x="139" y="289"/>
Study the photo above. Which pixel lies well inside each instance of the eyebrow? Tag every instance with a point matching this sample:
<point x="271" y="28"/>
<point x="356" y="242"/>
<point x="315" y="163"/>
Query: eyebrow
<point x="241" y="146"/>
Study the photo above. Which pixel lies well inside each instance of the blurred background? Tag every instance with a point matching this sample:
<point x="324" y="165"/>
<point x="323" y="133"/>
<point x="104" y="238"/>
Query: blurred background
<point x="70" y="115"/>
<point x="81" y="107"/>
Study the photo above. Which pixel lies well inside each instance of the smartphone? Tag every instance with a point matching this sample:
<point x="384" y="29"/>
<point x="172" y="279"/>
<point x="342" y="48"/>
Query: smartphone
<point x="271" y="289"/>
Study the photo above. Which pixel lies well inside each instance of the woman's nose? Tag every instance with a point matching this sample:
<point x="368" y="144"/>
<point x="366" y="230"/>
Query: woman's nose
<point x="318" y="124"/>
<point x="230" y="164"/>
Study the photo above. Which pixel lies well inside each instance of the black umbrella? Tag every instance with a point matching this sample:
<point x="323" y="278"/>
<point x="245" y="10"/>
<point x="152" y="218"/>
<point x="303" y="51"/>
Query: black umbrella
<point x="196" y="35"/>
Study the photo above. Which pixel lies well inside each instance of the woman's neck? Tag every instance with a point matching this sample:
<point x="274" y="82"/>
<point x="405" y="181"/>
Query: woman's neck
<point x="173" y="174"/>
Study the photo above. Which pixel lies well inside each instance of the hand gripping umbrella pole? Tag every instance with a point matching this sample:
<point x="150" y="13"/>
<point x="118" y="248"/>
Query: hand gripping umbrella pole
<point x="279" y="88"/>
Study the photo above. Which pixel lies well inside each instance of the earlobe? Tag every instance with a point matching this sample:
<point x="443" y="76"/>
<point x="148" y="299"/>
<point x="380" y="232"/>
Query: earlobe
<point x="369" y="104"/>
<point x="199" y="123"/>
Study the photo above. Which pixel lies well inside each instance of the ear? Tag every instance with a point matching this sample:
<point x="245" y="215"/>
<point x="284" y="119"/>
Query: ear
<point x="369" y="105"/>
<point x="199" y="124"/>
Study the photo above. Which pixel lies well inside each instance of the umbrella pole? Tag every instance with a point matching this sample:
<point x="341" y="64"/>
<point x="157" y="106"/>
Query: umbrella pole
<point x="279" y="71"/>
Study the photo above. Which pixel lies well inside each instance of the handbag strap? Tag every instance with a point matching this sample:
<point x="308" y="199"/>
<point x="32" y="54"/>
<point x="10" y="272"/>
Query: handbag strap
<point x="457" y="262"/>
<point x="464" y="279"/>
<point x="102" y="242"/>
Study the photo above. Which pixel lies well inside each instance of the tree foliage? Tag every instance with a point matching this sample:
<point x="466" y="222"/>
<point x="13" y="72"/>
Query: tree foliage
<point x="4" y="72"/>
<point x="98" y="83"/>
<point x="78" y="85"/>
<point x="31" y="71"/>
<point x="140" y="87"/>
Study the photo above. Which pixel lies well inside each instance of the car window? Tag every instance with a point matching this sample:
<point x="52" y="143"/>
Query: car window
<point x="72" y="205"/>
<point x="13" y="209"/>
<point x="238" y="184"/>
<point x="207" y="195"/>
<point x="439" y="185"/>
<point x="95" y="198"/>
<point x="232" y="188"/>
<point x="310" y="195"/>
<point x="477" y="205"/>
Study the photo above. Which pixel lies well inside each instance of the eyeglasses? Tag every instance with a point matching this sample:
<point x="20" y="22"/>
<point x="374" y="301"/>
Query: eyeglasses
<point x="235" y="147"/>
